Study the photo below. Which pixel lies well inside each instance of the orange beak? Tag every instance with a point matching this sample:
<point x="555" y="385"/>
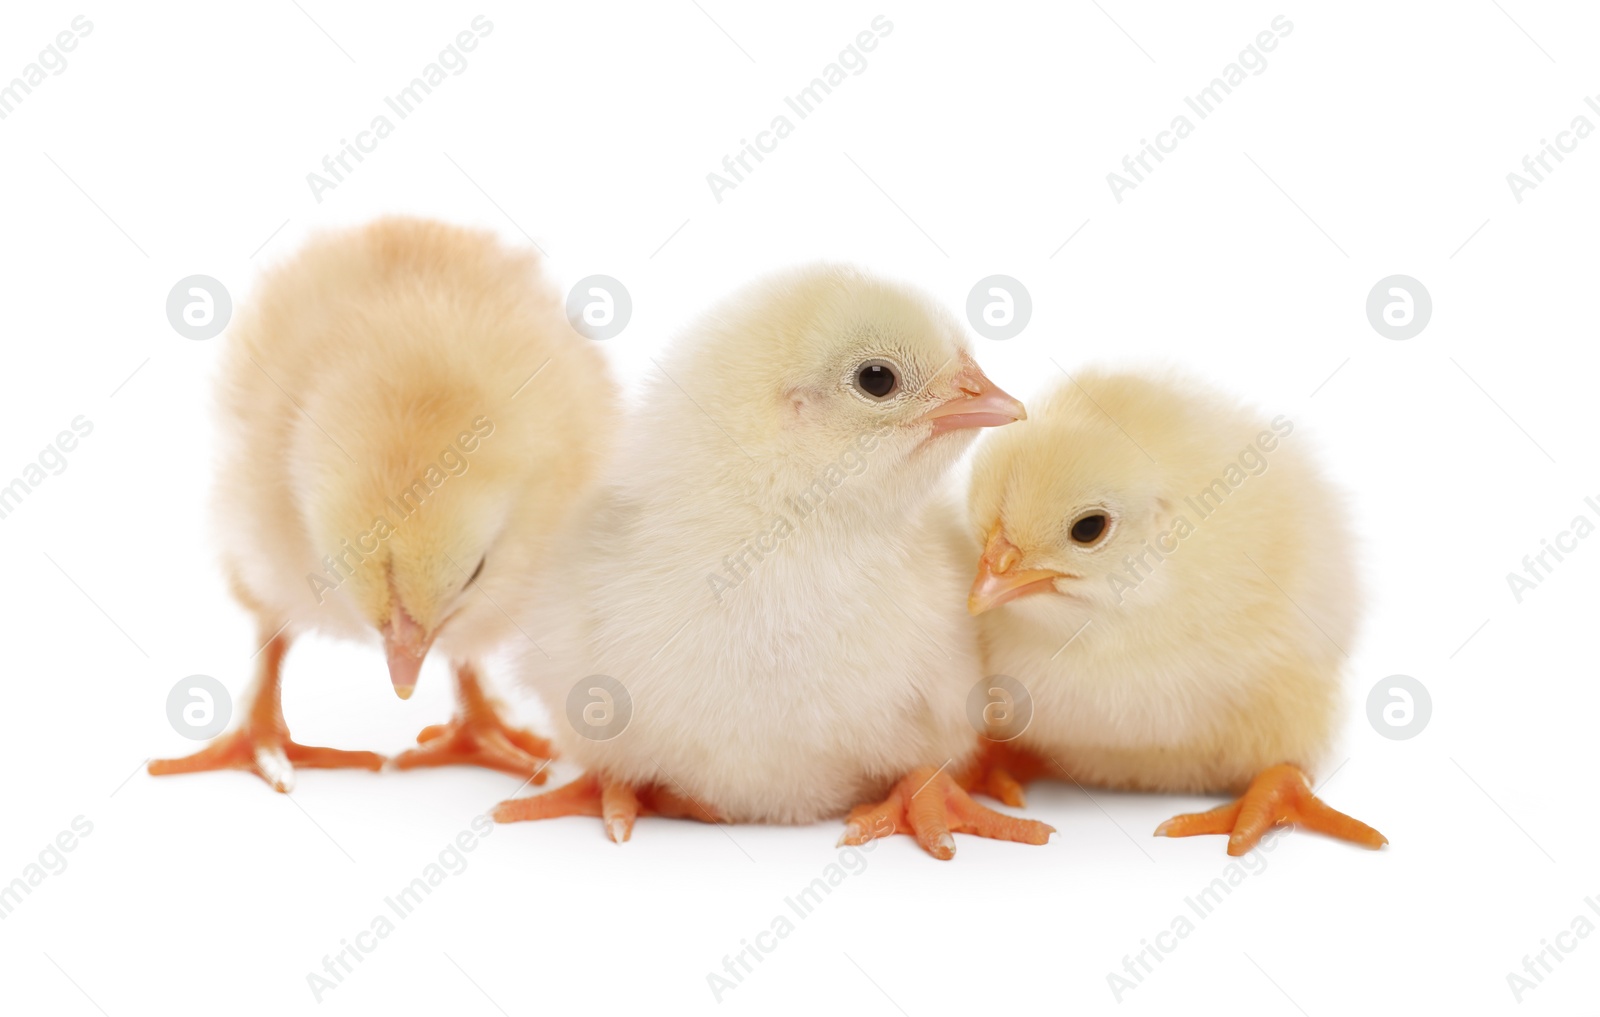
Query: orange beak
<point x="979" y="402"/>
<point x="998" y="584"/>
<point x="406" y="645"/>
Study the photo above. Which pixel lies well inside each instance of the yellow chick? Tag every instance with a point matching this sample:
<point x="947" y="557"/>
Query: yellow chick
<point x="763" y="619"/>
<point x="407" y="418"/>
<point x="1169" y="578"/>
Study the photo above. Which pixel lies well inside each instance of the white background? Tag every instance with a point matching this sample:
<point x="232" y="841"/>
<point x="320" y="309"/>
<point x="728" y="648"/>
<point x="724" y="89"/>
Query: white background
<point x="1377" y="141"/>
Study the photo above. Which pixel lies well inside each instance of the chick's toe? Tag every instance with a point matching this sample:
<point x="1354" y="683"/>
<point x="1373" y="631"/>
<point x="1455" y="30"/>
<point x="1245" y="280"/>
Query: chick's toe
<point x="930" y="805"/>
<point x="1279" y="796"/>
<point x="615" y="803"/>
<point x="261" y="744"/>
<point x="478" y="736"/>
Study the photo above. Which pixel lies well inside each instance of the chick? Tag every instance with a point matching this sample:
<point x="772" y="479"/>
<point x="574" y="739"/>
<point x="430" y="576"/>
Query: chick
<point x="763" y="620"/>
<point x="407" y="419"/>
<point x="1170" y="580"/>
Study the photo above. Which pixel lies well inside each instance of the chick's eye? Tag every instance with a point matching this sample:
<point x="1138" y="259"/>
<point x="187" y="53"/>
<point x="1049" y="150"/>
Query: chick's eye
<point x="1087" y="530"/>
<point x="877" y="379"/>
<point x="477" y="571"/>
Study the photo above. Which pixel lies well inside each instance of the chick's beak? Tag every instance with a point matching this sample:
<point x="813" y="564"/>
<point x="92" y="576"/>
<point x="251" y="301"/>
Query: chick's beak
<point x="999" y="581"/>
<point x="978" y="402"/>
<point x="406" y="644"/>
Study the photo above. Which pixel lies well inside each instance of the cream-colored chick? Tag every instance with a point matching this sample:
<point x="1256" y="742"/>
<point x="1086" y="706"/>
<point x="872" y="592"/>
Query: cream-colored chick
<point x="764" y="620"/>
<point x="407" y="420"/>
<point x="1169" y="577"/>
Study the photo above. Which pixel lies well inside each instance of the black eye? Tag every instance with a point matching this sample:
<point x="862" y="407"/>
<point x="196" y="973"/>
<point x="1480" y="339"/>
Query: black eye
<point x="877" y="379"/>
<point x="477" y="571"/>
<point x="1090" y="528"/>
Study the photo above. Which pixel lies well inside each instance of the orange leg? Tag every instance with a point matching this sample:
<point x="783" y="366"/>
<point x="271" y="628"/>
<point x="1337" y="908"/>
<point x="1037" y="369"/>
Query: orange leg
<point x="261" y="743"/>
<point x="618" y="805"/>
<point x="930" y="805"/>
<point x="477" y="736"/>
<point x="1279" y="796"/>
<point x="1001" y="770"/>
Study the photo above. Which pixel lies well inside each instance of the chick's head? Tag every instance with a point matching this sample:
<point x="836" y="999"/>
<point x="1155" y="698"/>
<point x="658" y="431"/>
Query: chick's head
<point x="1061" y="503"/>
<point x="409" y="527"/>
<point x="830" y="372"/>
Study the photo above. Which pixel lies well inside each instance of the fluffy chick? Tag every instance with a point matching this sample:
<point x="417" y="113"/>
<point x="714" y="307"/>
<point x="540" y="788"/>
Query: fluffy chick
<point x="407" y="418"/>
<point x="763" y="620"/>
<point x="1170" y="578"/>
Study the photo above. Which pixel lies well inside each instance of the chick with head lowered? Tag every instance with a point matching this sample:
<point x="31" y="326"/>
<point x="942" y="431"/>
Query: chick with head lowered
<point x="1170" y="580"/>
<point x="408" y="420"/>
<point x="763" y="619"/>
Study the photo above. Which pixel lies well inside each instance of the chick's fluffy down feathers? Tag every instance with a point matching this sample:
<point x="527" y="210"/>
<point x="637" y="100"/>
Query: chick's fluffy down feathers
<point x="383" y="374"/>
<point x="769" y="570"/>
<point x="1205" y="634"/>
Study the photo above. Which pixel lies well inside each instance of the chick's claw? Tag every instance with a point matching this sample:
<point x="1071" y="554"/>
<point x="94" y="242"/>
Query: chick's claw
<point x="261" y="744"/>
<point x="616" y="804"/>
<point x="1000" y="784"/>
<point x="930" y="805"/>
<point x="497" y="748"/>
<point x="1280" y="795"/>
<point x="270" y="755"/>
<point x="1001" y="771"/>
<point x="478" y="736"/>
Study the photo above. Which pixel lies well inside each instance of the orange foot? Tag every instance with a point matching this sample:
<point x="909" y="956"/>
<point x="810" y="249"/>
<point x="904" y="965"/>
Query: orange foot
<point x="1280" y="795"/>
<point x="930" y="805"/>
<point x="261" y="743"/>
<point x="617" y="804"/>
<point x="1001" y="770"/>
<point x="477" y="736"/>
<point x="269" y="754"/>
